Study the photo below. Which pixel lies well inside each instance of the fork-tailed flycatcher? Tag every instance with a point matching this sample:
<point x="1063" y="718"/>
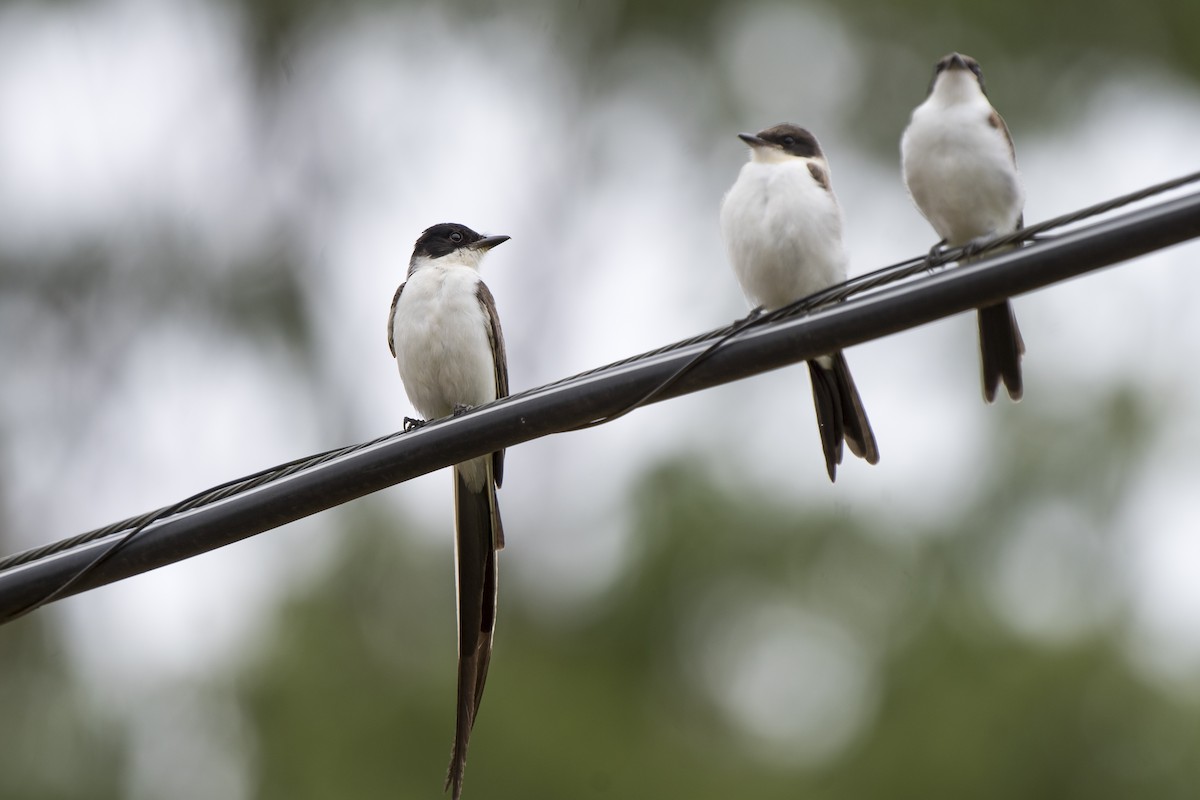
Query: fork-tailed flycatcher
<point x="961" y="170"/>
<point x="783" y="229"/>
<point x="445" y="335"/>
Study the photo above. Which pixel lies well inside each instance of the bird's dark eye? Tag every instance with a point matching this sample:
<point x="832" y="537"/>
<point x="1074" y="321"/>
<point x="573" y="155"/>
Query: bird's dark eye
<point x="456" y="237"/>
<point x="788" y="141"/>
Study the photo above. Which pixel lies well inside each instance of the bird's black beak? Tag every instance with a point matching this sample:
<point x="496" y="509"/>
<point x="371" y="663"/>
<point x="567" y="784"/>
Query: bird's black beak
<point x="753" y="140"/>
<point x="957" y="61"/>
<point x="488" y="242"/>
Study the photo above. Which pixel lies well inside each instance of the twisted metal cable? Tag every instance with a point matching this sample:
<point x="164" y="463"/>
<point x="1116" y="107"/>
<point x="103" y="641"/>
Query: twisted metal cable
<point x="877" y="279"/>
<point x="135" y="525"/>
<point x="129" y="529"/>
<point x="885" y="276"/>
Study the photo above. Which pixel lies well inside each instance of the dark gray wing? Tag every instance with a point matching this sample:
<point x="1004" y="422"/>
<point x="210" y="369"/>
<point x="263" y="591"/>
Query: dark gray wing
<point x="392" y="319"/>
<point x="499" y="361"/>
<point x="819" y="175"/>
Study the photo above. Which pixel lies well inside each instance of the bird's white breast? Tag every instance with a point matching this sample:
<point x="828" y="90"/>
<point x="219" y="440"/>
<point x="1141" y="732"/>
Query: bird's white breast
<point x="783" y="232"/>
<point x="441" y="337"/>
<point x="960" y="171"/>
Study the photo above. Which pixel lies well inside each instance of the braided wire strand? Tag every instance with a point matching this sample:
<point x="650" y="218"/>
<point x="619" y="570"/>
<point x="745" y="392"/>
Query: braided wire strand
<point x="868" y="282"/>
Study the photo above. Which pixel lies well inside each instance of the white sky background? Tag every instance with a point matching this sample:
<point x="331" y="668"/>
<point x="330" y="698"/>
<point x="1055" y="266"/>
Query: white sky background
<point x="118" y="114"/>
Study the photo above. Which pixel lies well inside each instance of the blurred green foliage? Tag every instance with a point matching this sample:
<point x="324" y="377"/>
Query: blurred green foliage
<point x="1057" y="34"/>
<point x="54" y="743"/>
<point x="353" y="697"/>
<point x="1053" y="53"/>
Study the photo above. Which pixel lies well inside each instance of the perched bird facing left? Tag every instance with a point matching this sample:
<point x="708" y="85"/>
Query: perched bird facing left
<point x="783" y="229"/>
<point x="445" y="335"/>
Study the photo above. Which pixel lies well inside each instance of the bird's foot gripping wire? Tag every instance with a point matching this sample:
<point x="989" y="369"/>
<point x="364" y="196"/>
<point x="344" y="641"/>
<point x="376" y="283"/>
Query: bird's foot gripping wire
<point x="411" y="424"/>
<point x="935" y="255"/>
<point x="976" y="245"/>
<point x="460" y="409"/>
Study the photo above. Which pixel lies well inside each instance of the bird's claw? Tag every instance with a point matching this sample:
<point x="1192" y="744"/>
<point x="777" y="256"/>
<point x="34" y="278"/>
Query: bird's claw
<point x="935" y="254"/>
<point x="976" y="246"/>
<point x="460" y="409"/>
<point x="411" y="424"/>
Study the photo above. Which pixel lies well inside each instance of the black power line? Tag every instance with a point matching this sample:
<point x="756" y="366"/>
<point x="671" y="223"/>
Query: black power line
<point x="274" y="497"/>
